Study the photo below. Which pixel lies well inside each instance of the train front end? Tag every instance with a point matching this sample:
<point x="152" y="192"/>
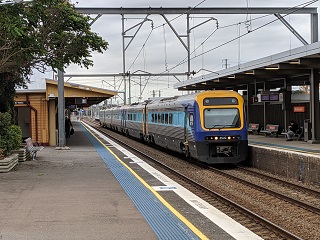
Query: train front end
<point x="220" y="128"/>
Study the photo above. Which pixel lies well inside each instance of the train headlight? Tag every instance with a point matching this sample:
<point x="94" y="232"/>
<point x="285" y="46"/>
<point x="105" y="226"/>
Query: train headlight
<point x="223" y="138"/>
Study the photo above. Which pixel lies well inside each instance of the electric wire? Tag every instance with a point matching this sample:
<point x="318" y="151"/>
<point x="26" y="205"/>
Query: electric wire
<point x="153" y="28"/>
<point x="294" y="9"/>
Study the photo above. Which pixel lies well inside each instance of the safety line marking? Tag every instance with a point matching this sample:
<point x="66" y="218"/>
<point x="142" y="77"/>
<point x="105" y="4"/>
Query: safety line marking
<point x="283" y="148"/>
<point x="227" y="224"/>
<point x="195" y="230"/>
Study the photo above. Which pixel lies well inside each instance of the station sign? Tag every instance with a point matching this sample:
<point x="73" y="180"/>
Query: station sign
<point x="20" y="102"/>
<point x="299" y="109"/>
<point x="270" y="97"/>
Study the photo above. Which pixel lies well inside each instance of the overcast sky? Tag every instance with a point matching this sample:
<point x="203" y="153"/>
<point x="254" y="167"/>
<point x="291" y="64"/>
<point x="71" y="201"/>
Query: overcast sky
<point x="209" y="44"/>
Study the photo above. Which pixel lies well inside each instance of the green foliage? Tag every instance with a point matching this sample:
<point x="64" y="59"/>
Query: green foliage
<point x="7" y="93"/>
<point x="44" y="33"/>
<point x="39" y="34"/>
<point x="10" y="135"/>
<point x="15" y="137"/>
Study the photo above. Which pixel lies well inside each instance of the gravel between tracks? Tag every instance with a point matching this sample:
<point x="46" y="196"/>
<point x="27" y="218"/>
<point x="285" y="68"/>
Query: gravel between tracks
<point x="295" y="219"/>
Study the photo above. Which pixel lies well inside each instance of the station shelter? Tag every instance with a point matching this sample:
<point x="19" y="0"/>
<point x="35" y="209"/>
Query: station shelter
<point x="37" y="109"/>
<point x="267" y="84"/>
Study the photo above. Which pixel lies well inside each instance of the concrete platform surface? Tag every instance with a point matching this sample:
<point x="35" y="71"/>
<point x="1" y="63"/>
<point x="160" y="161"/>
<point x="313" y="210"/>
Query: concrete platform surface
<point x="67" y="194"/>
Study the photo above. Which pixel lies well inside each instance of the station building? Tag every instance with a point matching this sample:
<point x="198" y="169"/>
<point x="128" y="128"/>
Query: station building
<point x="37" y="109"/>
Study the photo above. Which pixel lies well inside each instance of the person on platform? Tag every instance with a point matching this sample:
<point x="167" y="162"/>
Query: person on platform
<point x="68" y="126"/>
<point x="292" y="129"/>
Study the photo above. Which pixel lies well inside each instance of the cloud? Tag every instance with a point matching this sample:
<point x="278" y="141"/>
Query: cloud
<point x="163" y="49"/>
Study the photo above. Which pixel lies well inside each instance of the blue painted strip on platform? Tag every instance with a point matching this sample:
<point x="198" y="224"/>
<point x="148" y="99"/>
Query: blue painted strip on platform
<point x="162" y="221"/>
<point x="285" y="146"/>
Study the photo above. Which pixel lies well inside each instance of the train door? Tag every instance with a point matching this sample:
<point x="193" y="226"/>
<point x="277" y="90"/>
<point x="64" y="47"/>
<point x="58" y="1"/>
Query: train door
<point x="186" y="142"/>
<point x="123" y="119"/>
<point x="145" y="121"/>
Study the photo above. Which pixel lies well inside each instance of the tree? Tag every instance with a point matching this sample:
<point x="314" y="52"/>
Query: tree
<point x="38" y="34"/>
<point x="304" y="89"/>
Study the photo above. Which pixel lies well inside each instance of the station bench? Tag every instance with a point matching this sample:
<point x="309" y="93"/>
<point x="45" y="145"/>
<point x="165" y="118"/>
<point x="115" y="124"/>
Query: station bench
<point x="272" y="130"/>
<point x="254" y="128"/>
<point x="33" y="148"/>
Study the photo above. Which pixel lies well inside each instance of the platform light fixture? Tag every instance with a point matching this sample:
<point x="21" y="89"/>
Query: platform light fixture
<point x="51" y="96"/>
<point x="297" y="61"/>
<point x="272" y="67"/>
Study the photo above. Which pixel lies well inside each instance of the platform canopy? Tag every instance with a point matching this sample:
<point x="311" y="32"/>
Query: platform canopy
<point x="294" y="65"/>
<point x="77" y="94"/>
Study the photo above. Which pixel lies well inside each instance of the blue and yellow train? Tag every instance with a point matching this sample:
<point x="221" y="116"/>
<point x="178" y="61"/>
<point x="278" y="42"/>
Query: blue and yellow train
<point x="208" y="126"/>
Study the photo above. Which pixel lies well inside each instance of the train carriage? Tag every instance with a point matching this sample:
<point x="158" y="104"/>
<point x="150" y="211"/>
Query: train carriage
<point x="209" y="126"/>
<point x="220" y="127"/>
<point x="167" y="123"/>
<point x="134" y="120"/>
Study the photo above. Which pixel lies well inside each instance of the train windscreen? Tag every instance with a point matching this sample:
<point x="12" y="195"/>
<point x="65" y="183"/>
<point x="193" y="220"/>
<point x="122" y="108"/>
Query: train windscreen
<point x="221" y="118"/>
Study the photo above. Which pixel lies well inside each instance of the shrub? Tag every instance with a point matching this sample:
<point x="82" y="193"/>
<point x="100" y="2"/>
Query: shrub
<point x="10" y="135"/>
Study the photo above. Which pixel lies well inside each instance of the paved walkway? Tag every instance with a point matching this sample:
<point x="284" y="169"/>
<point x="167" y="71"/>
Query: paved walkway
<point x="67" y="194"/>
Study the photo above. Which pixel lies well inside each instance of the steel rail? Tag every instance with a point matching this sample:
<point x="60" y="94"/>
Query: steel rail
<point x="268" y="224"/>
<point x="268" y="191"/>
<point x="293" y="185"/>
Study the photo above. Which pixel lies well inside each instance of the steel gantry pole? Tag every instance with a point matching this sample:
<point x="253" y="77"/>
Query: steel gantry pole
<point x="188" y="44"/>
<point x="314" y="27"/>
<point x="61" y="104"/>
<point x="124" y="62"/>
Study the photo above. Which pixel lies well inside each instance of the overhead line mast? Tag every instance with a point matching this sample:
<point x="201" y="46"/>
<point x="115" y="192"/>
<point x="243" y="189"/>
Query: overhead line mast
<point x="194" y="10"/>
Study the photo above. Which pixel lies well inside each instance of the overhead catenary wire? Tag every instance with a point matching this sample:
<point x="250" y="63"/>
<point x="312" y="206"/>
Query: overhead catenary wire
<point x="153" y="28"/>
<point x="149" y="79"/>
<point x="294" y="9"/>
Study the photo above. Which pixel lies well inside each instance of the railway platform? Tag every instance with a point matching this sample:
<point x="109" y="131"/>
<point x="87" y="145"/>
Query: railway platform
<point x="97" y="190"/>
<point x="294" y="160"/>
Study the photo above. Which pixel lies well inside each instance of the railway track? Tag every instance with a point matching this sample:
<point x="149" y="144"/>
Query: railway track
<point x="250" y="216"/>
<point x="310" y="195"/>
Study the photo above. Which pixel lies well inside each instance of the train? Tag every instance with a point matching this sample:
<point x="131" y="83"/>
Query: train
<point x="208" y="126"/>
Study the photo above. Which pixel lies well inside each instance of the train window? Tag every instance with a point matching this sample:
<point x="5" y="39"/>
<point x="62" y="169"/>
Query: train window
<point x="166" y="118"/>
<point x="159" y="118"/>
<point x="221" y="118"/>
<point x="191" y="120"/>
<point x="162" y="117"/>
<point x="170" y="118"/>
<point x="180" y="119"/>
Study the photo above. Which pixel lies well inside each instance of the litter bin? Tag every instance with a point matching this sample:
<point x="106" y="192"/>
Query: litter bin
<point x="307" y="130"/>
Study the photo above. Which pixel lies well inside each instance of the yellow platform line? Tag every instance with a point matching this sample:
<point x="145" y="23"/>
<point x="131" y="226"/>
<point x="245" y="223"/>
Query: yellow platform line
<point x="284" y="148"/>
<point x="161" y="199"/>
